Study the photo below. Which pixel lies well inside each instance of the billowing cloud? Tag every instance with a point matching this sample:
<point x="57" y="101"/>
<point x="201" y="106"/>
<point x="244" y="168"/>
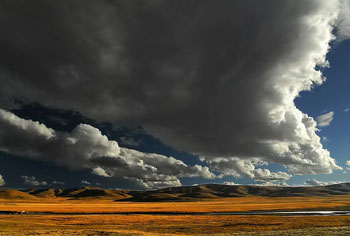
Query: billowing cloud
<point x="315" y="182"/>
<point x="216" y="79"/>
<point x="2" y="181"/>
<point x="272" y="183"/>
<point x="325" y="119"/>
<point x="31" y="180"/>
<point x="343" y="21"/>
<point x="266" y="175"/>
<point x="347" y="163"/>
<point x="86" y="148"/>
<point x="56" y="182"/>
<point x="99" y="171"/>
<point x="85" y="182"/>
<point x="237" y="167"/>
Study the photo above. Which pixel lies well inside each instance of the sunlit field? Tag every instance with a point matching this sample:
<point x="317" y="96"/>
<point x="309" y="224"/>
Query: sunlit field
<point x="146" y="224"/>
<point x="169" y="225"/>
<point x="210" y="205"/>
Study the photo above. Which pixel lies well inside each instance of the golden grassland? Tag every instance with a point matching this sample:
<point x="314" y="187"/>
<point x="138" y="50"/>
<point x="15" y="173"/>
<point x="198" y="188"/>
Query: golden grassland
<point x="220" y="225"/>
<point x="167" y="225"/>
<point x="55" y="205"/>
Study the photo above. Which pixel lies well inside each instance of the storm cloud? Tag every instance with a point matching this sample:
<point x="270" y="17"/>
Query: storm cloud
<point x="215" y="79"/>
<point x="32" y="180"/>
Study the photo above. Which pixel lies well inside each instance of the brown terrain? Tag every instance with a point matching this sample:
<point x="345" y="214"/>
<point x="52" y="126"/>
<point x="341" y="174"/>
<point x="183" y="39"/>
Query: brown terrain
<point x="191" y="210"/>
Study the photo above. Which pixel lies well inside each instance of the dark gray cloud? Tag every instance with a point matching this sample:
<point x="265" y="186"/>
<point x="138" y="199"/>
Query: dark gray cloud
<point x="31" y="180"/>
<point x="217" y="79"/>
<point x="130" y="141"/>
<point x="85" y="182"/>
<point x="57" y="182"/>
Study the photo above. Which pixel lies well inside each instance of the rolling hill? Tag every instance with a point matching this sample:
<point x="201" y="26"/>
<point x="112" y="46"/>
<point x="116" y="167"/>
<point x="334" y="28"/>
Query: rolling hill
<point x="11" y="194"/>
<point x="184" y="193"/>
<point x="217" y="190"/>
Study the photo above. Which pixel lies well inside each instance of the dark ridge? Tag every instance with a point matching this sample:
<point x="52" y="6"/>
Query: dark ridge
<point x="207" y="191"/>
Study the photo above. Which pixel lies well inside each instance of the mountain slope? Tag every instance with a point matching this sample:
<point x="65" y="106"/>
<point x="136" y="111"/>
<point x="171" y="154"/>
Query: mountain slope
<point x="184" y="193"/>
<point x="11" y="194"/>
<point x="218" y="190"/>
<point x="91" y="192"/>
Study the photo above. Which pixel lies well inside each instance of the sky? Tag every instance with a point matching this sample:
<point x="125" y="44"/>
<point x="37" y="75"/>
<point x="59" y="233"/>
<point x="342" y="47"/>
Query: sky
<point x="154" y="94"/>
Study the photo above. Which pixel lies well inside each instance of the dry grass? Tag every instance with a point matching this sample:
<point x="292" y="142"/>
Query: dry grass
<point x="163" y="225"/>
<point x="211" y="205"/>
<point x="220" y="225"/>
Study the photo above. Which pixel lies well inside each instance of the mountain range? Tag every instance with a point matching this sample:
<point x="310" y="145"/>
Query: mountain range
<point x="184" y="193"/>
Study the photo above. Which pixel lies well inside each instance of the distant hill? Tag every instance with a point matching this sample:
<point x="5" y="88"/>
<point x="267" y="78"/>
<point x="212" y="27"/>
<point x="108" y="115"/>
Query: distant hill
<point x="72" y="193"/>
<point x="15" y="195"/>
<point x="43" y="193"/>
<point x="217" y="190"/>
<point x="79" y="193"/>
<point x="184" y="193"/>
<point x="91" y="192"/>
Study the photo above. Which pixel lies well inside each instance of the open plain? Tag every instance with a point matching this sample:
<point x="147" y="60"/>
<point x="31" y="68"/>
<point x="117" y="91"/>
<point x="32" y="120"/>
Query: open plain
<point x="90" y="211"/>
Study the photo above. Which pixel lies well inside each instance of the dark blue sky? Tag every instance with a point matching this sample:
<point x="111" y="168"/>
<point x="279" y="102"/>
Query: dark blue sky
<point x="334" y="96"/>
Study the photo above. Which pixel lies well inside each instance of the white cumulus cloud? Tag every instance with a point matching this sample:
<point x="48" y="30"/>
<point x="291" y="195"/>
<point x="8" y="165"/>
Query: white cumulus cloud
<point x="229" y="183"/>
<point x="2" y="181"/>
<point x="237" y="167"/>
<point x="343" y="21"/>
<point x="347" y="164"/>
<point x="99" y="171"/>
<point x="315" y="182"/>
<point x="86" y="148"/>
<point x="325" y="119"/>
